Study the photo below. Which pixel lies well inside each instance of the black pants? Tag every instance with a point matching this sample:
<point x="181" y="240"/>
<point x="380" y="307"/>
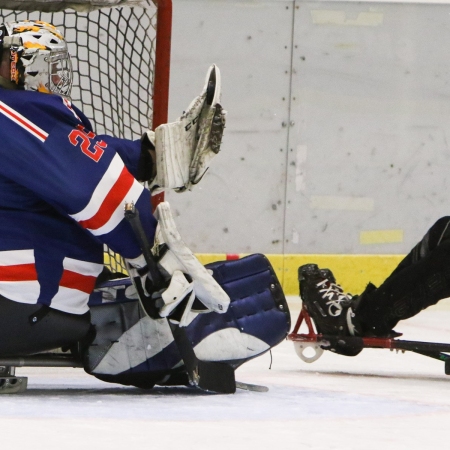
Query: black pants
<point x="420" y="280"/>
<point x="21" y="335"/>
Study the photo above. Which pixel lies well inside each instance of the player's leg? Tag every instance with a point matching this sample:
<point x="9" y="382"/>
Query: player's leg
<point x="27" y="329"/>
<point x="419" y="281"/>
<point x="406" y="292"/>
<point x="438" y="234"/>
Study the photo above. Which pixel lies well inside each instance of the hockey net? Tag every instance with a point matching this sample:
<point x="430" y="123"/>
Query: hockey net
<point x="120" y="52"/>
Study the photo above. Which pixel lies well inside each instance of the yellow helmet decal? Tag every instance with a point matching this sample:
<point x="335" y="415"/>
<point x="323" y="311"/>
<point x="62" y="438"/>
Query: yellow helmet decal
<point x="60" y="36"/>
<point x="26" y="28"/>
<point x="52" y="29"/>
<point x="42" y="88"/>
<point x="34" y="45"/>
<point x="46" y="24"/>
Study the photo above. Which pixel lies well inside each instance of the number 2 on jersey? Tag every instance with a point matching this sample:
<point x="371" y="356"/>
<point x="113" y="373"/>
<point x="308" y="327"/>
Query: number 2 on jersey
<point x="83" y="138"/>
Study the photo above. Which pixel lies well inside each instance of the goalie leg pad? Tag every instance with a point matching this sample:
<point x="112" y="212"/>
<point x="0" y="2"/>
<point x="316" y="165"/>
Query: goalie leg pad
<point x="258" y="317"/>
<point x="131" y="348"/>
<point x="126" y="338"/>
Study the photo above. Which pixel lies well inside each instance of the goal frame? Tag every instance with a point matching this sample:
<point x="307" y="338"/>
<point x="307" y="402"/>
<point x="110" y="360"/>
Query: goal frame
<point x="162" y="71"/>
<point x="162" y="62"/>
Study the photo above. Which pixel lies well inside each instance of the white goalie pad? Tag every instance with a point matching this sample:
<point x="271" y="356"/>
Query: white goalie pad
<point x="178" y="257"/>
<point x="185" y="148"/>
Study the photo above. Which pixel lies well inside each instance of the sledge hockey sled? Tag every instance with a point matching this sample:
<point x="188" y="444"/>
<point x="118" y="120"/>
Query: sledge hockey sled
<point x="310" y="345"/>
<point x="258" y="317"/>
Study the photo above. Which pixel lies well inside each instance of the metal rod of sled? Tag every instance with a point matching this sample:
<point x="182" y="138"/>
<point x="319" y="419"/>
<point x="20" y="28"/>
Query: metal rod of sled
<point x="379" y="342"/>
<point x="207" y="375"/>
<point x="42" y="360"/>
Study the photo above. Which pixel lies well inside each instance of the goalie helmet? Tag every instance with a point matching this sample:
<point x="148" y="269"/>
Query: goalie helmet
<point x="39" y="58"/>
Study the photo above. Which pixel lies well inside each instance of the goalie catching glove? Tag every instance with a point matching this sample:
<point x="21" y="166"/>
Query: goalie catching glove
<point x="185" y="148"/>
<point x="188" y="286"/>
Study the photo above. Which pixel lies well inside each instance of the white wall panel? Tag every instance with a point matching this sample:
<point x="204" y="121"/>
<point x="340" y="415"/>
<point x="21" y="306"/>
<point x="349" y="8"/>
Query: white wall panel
<point x="370" y="102"/>
<point x="239" y="206"/>
<point x="364" y="167"/>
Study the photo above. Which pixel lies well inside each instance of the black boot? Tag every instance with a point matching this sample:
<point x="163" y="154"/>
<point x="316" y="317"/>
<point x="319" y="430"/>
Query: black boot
<point x="330" y="309"/>
<point x="325" y="300"/>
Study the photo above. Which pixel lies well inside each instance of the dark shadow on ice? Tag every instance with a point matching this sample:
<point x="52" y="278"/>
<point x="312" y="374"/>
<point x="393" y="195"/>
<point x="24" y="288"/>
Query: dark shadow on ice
<point x="122" y="391"/>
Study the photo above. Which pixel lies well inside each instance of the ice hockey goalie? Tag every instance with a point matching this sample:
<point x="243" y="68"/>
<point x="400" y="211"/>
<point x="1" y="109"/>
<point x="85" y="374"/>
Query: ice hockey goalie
<point x="62" y="194"/>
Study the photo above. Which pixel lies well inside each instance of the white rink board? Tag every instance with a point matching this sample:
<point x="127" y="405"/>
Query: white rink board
<point x="337" y="99"/>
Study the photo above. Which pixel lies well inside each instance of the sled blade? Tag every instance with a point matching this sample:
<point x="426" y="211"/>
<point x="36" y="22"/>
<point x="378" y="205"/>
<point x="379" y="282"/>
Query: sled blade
<point x="13" y="385"/>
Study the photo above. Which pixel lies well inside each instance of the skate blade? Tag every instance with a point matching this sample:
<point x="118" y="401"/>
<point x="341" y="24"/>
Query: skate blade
<point x="13" y="385"/>
<point x="251" y="387"/>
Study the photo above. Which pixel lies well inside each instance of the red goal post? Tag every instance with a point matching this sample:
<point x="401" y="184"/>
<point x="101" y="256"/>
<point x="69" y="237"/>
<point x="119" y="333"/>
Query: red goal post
<point x="120" y="51"/>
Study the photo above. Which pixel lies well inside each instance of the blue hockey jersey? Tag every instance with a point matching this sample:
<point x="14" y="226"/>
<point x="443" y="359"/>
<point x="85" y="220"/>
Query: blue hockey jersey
<point x="62" y="195"/>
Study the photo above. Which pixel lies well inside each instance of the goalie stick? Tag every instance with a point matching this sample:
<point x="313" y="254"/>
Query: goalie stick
<point x="207" y="375"/>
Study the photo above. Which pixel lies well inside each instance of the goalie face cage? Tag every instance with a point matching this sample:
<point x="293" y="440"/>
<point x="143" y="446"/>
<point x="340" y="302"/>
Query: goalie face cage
<point x="121" y="59"/>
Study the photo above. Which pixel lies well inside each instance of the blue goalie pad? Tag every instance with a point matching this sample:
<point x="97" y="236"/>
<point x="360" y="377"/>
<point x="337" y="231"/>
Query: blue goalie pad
<point x="132" y="348"/>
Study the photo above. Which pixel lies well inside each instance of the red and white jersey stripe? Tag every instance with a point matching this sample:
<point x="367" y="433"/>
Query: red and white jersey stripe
<point x="19" y="281"/>
<point x="18" y="276"/>
<point x="75" y="286"/>
<point x="105" y="208"/>
<point x="22" y="121"/>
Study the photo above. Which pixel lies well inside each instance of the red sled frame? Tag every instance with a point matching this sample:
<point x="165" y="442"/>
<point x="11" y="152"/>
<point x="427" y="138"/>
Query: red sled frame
<point x="319" y="343"/>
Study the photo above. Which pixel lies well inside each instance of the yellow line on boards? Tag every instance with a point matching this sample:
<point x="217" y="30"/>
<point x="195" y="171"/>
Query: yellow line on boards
<point x="352" y="272"/>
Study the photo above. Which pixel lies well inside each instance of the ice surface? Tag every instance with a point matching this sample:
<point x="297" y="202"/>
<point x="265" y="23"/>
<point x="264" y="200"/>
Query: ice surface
<point x="377" y="400"/>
